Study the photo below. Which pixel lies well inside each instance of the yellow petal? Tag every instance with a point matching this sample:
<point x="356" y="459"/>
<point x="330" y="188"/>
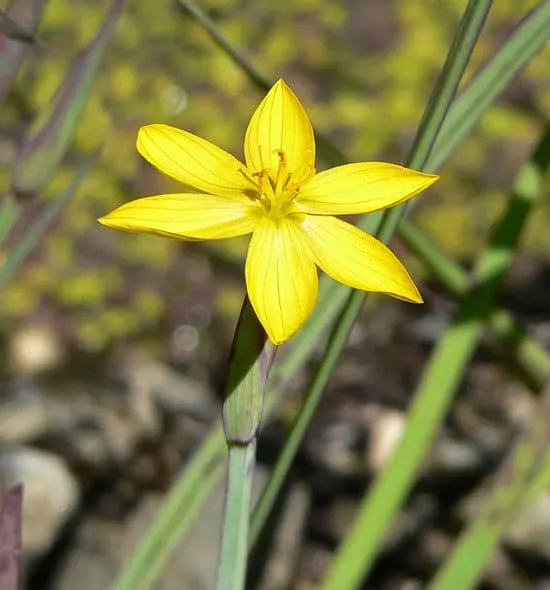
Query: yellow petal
<point x="280" y="125"/>
<point x="185" y="216"/>
<point x="195" y="162"/>
<point x="361" y="188"/>
<point x="281" y="277"/>
<point x="356" y="259"/>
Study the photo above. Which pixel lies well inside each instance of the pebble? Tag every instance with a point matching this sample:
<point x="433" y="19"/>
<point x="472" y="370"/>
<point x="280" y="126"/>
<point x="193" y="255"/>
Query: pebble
<point x="50" y="495"/>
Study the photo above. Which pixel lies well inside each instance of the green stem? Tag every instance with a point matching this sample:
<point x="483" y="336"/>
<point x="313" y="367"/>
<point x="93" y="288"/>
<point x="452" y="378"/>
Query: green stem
<point x="234" y="546"/>
<point x="287" y="454"/>
<point x="251" y="358"/>
<point x="440" y="101"/>
<point x="9" y="213"/>
<point x="440" y="380"/>
<point x="525" y="357"/>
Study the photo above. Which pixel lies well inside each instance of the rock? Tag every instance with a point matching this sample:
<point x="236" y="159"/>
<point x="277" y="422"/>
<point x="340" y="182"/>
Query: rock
<point x="28" y="415"/>
<point x="23" y="422"/>
<point x="314" y="562"/>
<point x="530" y="531"/>
<point x="339" y="447"/>
<point x="35" y="349"/>
<point x="153" y="383"/>
<point x="386" y="433"/>
<point x="454" y="457"/>
<point x="50" y="496"/>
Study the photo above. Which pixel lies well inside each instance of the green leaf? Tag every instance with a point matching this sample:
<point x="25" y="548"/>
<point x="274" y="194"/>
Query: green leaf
<point x="13" y="30"/>
<point x="523" y="356"/>
<point x="9" y="214"/>
<point x="440" y="380"/>
<point x="529" y="37"/>
<point x="53" y="132"/>
<point x="521" y="478"/>
<point x="32" y="236"/>
<point x="22" y="16"/>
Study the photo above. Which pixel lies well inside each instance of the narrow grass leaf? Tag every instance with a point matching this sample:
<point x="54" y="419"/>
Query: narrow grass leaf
<point x="9" y="213"/>
<point x="439" y="382"/>
<point x="53" y="132"/>
<point x="32" y="236"/>
<point x="520" y="479"/>
<point x="524" y="357"/>
<point x="13" y="30"/>
<point x="23" y="16"/>
<point x="180" y="509"/>
<point x="527" y="40"/>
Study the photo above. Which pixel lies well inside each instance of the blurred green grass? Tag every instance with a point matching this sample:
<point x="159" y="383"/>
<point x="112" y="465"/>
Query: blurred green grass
<point x="364" y="71"/>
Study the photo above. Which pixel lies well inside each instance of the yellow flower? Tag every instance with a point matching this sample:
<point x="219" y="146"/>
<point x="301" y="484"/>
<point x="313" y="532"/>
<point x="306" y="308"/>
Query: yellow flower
<point x="279" y="198"/>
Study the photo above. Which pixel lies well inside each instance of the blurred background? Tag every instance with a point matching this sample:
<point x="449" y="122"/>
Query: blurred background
<point x="114" y="345"/>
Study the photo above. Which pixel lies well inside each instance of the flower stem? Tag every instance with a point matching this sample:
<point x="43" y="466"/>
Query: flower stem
<point x="251" y="358"/>
<point x="234" y="547"/>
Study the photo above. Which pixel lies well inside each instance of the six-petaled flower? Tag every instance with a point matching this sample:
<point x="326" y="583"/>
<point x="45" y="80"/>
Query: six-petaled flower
<point x="289" y="209"/>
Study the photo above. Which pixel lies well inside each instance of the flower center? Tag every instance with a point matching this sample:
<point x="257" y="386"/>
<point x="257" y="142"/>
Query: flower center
<point x="275" y="191"/>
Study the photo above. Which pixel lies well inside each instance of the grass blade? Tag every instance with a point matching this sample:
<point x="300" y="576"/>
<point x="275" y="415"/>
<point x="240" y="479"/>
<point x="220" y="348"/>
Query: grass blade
<point x="54" y="129"/>
<point x="520" y="479"/>
<point x="524" y="355"/>
<point x="13" y="30"/>
<point x="25" y="15"/>
<point x="439" y="382"/>
<point x="179" y="510"/>
<point x="491" y="81"/>
<point x="33" y="235"/>
<point x="9" y="213"/>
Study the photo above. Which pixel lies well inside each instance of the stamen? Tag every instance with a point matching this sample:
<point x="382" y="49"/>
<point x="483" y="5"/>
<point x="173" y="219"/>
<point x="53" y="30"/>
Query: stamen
<point x="310" y="174"/>
<point x="282" y="173"/>
<point x="263" y="176"/>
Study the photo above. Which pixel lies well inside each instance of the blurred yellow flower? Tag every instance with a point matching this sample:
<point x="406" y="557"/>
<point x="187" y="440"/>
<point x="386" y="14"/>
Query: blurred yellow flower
<point x="279" y="198"/>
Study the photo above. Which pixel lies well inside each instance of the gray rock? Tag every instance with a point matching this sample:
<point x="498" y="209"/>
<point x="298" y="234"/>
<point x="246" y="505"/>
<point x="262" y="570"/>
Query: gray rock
<point x="50" y="496"/>
<point x="35" y="349"/>
<point x="385" y="436"/>
<point x="455" y="457"/>
<point x="531" y="529"/>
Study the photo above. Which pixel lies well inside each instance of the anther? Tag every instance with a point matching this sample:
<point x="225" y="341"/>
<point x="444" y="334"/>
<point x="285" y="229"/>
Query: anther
<point x="262" y="175"/>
